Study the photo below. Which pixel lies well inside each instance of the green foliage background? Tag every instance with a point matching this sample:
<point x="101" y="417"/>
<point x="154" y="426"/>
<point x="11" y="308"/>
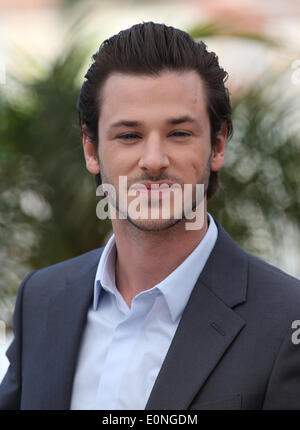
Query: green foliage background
<point x="47" y="198"/>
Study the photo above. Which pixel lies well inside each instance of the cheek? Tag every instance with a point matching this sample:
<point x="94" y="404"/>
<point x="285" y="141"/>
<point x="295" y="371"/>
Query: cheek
<point x="198" y="163"/>
<point x="106" y="166"/>
<point x="117" y="160"/>
<point x="102" y="150"/>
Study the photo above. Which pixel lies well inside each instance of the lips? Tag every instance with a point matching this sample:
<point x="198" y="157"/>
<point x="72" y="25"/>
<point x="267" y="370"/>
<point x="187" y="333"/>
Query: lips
<point x="153" y="185"/>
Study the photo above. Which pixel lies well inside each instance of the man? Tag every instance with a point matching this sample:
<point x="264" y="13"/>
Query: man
<point x="164" y="316"/>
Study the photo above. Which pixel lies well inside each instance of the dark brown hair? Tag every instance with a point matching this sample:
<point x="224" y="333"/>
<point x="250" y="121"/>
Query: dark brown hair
<point x="148" y="49"/>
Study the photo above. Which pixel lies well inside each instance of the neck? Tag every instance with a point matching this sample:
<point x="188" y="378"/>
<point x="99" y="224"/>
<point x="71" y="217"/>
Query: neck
<point x="145" y="258"/>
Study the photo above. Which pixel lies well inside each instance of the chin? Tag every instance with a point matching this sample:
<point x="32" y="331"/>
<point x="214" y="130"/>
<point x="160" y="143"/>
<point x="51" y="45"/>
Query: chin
<point x="153" y="224"/>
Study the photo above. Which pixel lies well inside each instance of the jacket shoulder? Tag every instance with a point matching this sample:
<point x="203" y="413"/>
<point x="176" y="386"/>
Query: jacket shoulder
<point x="78" y="263"/>
<point x="54" y="276"/>
<point x="272" y="291"/>
<point x="267" y="274"/>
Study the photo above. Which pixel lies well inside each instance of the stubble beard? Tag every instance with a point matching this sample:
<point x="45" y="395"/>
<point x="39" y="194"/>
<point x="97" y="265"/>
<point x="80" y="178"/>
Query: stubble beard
<point x="159" y="225"/>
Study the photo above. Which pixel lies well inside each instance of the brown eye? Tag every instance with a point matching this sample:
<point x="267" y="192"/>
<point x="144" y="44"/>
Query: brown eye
<point x="180" y="134"/>
<point x="128" y="136"/>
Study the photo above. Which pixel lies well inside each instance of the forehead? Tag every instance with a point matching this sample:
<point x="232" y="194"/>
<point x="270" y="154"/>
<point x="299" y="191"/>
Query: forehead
<point x="169" y="93"/>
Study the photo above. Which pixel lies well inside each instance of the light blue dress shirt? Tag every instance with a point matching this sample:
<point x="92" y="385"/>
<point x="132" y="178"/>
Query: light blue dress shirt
<point x="122" y="349"/>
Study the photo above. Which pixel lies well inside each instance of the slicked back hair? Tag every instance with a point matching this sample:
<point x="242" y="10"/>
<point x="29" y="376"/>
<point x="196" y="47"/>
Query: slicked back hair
<point x="148" y="49"/>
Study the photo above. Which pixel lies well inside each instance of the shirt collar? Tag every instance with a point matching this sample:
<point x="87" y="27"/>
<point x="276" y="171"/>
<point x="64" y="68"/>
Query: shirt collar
<point x="176" y="287"/>
<point x="105" y="275"/>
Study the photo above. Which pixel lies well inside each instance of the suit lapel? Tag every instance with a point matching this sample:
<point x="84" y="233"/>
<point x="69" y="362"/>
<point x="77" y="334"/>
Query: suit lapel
<point x="207" y="328"/>
<point x="66" y="320"/>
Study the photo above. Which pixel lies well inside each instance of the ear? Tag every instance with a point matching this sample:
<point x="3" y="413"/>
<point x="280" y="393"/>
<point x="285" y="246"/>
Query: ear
<point x="90" y="155"/>
<point x="217" y="157"/>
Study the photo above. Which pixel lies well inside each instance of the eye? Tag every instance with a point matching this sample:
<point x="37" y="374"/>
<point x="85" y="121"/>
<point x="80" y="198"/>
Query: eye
<point x="128" y="136"/>
<point x="180" y="134"/>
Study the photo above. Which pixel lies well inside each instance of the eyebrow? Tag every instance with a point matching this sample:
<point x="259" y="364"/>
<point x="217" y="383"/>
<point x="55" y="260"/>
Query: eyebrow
<point x="170" y="121"/>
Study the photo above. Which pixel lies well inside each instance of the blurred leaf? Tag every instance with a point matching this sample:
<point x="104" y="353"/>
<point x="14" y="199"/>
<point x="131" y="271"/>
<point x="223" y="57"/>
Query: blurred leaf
<point x="260" y="181"/>
<point x="47" y="198"/>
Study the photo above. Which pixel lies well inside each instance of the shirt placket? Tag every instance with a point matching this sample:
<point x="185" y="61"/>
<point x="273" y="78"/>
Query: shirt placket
<point x="123" y="343"/>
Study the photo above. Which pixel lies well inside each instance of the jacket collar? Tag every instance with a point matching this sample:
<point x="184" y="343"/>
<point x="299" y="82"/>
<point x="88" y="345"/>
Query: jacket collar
<point x="226" y="271"/>
<point x="66" y="321"/>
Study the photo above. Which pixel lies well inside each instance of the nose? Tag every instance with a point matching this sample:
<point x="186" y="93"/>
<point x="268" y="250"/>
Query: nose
<point x="154" y="158"/>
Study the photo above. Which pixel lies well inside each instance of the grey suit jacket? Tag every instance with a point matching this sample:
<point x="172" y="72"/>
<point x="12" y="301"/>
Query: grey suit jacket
<point x="232" y="349"/>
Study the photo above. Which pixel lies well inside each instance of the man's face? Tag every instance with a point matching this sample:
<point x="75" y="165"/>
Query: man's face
<point x="155" y="129"/>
